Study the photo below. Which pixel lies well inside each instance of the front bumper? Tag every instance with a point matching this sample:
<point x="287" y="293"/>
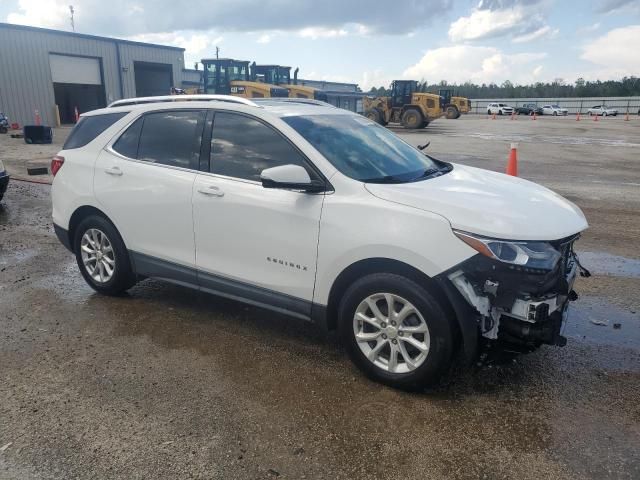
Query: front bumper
<point x="4" y="183"/>
<point x="521" y="307"/>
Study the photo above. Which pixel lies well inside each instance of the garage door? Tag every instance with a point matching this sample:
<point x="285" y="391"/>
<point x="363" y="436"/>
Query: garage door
<point x="152" y="78"/>
<point x="79" y="70"/>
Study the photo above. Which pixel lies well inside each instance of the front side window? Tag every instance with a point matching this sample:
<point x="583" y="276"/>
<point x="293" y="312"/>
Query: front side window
<point x="167" y="138"/>
<point x="362" y="149"/>
<point x="242" y="147"/>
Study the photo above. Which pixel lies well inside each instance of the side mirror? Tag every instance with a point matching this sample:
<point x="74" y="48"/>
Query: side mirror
<point x="290" y="177"/>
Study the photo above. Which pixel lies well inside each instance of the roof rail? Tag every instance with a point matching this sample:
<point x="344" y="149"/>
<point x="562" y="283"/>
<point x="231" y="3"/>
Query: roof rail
<point x="182" y="98"/>
<point x="308" y="101"/>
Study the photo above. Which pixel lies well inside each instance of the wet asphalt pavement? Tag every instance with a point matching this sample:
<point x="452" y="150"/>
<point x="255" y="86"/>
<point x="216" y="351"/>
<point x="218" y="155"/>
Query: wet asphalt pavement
<point x="170" y="383"/>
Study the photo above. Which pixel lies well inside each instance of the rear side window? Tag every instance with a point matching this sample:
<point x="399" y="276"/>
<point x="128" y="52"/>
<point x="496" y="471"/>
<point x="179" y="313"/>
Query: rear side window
<point x="89" y="128"/>
<point x="168" y="138"/>
<point x="172" y="138"/>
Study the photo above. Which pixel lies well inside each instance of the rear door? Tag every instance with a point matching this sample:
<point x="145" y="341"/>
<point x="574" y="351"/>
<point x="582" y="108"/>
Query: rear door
<point x="255" y="243"/>
<point x="144" y="182"/>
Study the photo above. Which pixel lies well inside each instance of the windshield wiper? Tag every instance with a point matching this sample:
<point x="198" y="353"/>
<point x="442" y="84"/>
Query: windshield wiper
<point x="385" y="179"/>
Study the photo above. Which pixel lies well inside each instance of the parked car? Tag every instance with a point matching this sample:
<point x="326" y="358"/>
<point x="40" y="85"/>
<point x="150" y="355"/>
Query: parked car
<point x="4" y="123"/>
<point x="319" y="213"/>
<point x="4" y="180"/>
<point x="602" y="110"/>
<point x="554" y="110"/>
<point x="529" y="109"/>
<point x="499" y="108"/>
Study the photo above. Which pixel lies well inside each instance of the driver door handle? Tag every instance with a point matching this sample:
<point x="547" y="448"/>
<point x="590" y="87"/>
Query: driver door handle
<point x="211" y="191"/>
<point x="113" y="171"/>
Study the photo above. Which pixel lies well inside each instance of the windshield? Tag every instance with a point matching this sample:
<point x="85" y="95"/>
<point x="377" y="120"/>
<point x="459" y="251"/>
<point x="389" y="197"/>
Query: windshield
<point x="362" y="149"/>
<point x="555" y="106"/>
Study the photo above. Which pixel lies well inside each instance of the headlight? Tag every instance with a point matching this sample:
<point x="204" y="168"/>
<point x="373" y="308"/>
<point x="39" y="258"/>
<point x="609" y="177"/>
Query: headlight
<point x="538" y="255"/>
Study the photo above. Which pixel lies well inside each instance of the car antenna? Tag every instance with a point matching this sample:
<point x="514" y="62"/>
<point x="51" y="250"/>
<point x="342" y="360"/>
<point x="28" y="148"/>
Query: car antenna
<point x="422" y="147"/>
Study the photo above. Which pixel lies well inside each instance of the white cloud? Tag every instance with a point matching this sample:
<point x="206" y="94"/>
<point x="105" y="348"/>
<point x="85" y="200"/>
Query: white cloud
<point x="319" y="32"/>
<point x="265" y="38"/>
<point x="42" y="13"/>
<point x="613" y="53"/>
<point x="545" y="31"/>
<point x="486" y="23"/>
<point x="461" y="63"/>
<point x="197" y="45"/>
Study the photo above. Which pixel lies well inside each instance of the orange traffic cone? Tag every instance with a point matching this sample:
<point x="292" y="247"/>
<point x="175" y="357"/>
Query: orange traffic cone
<point x="38" y="119"/>
<point x="595" y="117"/>
<point x="577" y="116"/>
<point x="513" y="115"/>
<point x="534" y="115"/>
<point x="493" y="117"/>
<point x="626" y="117"/>
<point x="77" y="114"/>
<point x="512" y="164"/>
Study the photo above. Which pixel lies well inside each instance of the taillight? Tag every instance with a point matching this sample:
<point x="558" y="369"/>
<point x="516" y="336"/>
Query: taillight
<point x="56" y="164"/>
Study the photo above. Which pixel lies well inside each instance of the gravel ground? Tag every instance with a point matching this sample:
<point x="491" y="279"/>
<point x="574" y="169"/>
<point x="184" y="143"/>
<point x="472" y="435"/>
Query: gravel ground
<point x="169" y="383"/>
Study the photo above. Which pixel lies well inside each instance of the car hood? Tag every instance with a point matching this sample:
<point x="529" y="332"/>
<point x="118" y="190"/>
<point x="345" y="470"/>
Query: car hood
<point x="489" y="203"/>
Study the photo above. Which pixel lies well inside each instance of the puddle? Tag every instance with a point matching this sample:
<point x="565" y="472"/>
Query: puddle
<point x="613" y="325"/>
<point x="608" y="264"/>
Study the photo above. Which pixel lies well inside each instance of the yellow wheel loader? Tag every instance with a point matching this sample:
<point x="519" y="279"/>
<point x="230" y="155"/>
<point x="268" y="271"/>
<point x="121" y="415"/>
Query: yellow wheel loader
<point x="281" y="75"/>
<point x="453" y="106"/>
<point x="226" y="76"/>
<point x="406" y="106"/>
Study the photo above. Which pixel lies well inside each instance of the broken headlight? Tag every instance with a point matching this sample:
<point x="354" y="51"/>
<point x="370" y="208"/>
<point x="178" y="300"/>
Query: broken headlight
<point x="537" y="255"/>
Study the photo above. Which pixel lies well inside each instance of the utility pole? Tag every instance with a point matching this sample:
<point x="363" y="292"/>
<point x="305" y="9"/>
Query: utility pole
<point x="73" y="24"/>
<point x="217" y="52"/>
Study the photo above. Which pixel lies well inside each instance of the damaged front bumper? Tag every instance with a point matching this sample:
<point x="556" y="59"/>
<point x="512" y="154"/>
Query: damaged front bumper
<point x="520" y="307"/>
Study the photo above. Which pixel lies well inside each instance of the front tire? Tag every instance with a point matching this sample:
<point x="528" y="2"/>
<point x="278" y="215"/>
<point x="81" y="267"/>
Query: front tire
<point x="395" y="331"/>
<point x="412" y="119"/>
<point x="375" y="115"/>
<point x="102" y="256"/>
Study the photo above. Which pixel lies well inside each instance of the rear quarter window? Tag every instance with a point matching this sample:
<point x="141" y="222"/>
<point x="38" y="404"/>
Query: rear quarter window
<point x="88" y="128"/>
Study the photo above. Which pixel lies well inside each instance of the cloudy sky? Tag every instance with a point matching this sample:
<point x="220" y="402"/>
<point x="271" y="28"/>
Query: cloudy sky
<point x="371" y="42"/>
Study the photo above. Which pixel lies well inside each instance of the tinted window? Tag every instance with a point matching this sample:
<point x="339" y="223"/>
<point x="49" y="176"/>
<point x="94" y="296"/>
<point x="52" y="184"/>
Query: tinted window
<point x="172" y="138"/>
<point x="362" y="149"/>
<point x="89" y="128"/>
<point x="242" y="147"/>
<point x="127" y="144"/>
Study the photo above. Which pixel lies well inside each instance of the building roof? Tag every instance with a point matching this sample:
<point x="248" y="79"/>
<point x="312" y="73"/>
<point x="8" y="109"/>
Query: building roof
<point x="86" y="36"/>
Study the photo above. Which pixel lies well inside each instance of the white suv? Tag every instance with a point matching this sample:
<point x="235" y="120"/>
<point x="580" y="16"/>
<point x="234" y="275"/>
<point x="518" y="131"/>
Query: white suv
<point x="319" y="213"/>
<point x="499" y="108"/>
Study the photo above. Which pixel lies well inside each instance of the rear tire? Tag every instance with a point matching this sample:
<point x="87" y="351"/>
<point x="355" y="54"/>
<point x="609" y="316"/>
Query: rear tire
<point x="421" y="356"/>
<point x="412" y="119"/>
<point x="452" y="113"/>
<point x="102" y="257"/>
<point x="4" y="129"/>
<point x="375" y="115"/>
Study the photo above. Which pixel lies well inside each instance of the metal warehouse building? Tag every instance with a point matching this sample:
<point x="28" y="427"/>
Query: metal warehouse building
<point x="42" y="68"/>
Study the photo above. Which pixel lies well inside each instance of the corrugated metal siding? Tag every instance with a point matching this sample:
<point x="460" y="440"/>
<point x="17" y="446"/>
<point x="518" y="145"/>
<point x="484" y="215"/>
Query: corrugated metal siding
<point x="25" y="75"/>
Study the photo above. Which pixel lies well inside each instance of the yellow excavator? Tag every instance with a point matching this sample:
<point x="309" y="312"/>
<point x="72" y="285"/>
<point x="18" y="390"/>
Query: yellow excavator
<point x="226" y="76"/>
<point x="281" y="75"/>
<point x="407" y="106"/>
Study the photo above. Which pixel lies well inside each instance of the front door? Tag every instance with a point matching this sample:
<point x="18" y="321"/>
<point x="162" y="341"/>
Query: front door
<point x="255" y="243"/>
<point x="145" y="179"/>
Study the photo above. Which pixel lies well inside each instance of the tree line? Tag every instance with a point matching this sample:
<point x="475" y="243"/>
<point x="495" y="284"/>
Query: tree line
<point x="558" y="88"/>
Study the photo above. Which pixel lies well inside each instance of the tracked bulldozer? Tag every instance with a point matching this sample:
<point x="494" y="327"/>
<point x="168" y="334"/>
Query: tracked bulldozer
<point x="407" y="106"/>
<point x="227" y="76"/>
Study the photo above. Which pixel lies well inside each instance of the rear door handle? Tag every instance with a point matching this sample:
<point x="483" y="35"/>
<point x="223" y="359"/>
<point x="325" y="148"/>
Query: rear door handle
<point x="113" y="171"/>
<point x="211" y="191"/>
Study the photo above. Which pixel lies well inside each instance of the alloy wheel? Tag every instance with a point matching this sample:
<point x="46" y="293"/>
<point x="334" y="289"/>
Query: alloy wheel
<point x="98" y="256"/>
<point x="391" y="333"/>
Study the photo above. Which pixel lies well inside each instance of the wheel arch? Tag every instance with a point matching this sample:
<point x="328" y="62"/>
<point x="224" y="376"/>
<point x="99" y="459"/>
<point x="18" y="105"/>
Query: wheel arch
<point x="80" y="214"/>
<point x="377" y="265"/>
